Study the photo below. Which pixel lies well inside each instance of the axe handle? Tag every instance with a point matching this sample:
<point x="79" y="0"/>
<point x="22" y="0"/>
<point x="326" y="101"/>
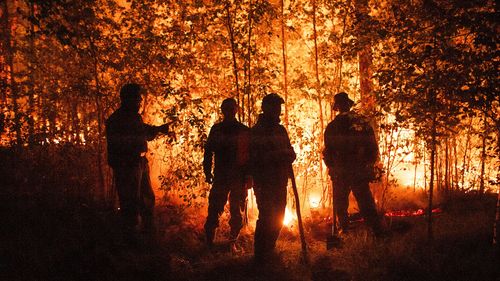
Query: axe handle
<point x="299" y="217"/>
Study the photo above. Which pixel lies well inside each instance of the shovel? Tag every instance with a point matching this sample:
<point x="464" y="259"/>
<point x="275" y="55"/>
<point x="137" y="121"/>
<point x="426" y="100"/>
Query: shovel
<point x="299" y="217"/>
<point x="333" y="240"/>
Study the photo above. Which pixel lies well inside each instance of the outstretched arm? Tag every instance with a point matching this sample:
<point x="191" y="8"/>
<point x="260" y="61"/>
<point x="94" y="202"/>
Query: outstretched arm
<point x="153" y="131"/>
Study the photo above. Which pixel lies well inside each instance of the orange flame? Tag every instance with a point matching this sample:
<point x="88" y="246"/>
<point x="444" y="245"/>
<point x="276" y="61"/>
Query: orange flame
<point x="289" y="217"/>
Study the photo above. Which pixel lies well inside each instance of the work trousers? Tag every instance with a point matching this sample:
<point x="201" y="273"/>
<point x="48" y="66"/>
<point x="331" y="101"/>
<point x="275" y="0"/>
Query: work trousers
<point x="271" y="201"/>
<point x="225" y="186"/>
<point x="135" y="194"/>
<point x="342" y="187"/>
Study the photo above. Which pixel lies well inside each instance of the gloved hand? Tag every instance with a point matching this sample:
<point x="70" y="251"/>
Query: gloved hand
<point x="163" y="128"/>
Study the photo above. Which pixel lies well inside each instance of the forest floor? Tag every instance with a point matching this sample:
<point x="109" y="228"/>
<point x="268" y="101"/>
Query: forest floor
<point x="52" y="229"/>
<point x="54" y="237"/>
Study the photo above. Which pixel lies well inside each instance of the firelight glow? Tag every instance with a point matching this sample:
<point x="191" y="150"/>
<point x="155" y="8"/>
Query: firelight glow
<point x="289" y="217"/>
<point x="314" y="201"/>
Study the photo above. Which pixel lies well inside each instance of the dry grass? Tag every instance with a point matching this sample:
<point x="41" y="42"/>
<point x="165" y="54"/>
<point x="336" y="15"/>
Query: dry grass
<point x="53" y="239"/>
<point x="50" y="234"/>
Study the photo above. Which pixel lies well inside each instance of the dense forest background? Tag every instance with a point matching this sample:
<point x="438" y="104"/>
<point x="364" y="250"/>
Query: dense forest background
<point x="425" y="73"/>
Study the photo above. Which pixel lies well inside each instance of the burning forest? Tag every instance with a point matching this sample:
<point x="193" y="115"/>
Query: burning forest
<point x="176" y="99"/>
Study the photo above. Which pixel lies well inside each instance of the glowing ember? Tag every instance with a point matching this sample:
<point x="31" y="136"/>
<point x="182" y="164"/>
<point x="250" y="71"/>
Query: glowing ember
<point x="410" y="213"/>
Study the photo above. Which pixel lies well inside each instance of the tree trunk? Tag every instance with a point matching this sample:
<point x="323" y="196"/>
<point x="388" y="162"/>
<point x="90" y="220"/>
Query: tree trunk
<point x="496" y="225"/>
<point x="248" y="88"/>
<point x="390" y="162"/>
<point x="415" y="176"/>
<point x="447" y="167"/>
<point x="101" y="193"/>
<point x="439" y="170"/>
<point x="341" y="62"/>
<point x="318" y="90"/>
<point x="75" y="121"/>
<point x="466" y="150"/>
<point x="233" y="52"/>
<point x="483" y="158"/>
<point x="283" y="52"/>
<point x="365" y="60"/>
<point x="431" y="182"/>
<point x="415" y="163"/>
<point x="10" y="46"/>
<point x="4" y="44"/>
<point x="425" y="172"/>
<point x="316" y="70"/>
<point x="31" y="64"/>
<point x="455" y="165"/>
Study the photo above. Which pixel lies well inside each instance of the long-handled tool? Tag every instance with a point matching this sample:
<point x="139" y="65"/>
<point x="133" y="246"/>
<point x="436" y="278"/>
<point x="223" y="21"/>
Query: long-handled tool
<point x="333" y="240"/>
<point x="299" y="217"/>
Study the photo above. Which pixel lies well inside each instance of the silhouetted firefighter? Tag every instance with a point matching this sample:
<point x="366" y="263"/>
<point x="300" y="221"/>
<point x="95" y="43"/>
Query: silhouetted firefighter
<point x="271" y="156"/>
<point x="350" y="153"/>
<point x="228" y="141"/>
<point x="127" y="137"/>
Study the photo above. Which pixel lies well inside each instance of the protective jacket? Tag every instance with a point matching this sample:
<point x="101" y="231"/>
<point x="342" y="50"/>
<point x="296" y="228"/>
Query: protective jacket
<point x="228" y="140"/>
<point x="271" y="153"/>
<point x="350" y="145"/>
<point x="127" y="137"/>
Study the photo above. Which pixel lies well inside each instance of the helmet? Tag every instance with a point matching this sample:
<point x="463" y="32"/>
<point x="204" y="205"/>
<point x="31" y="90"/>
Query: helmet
<point x="342" y="99"/>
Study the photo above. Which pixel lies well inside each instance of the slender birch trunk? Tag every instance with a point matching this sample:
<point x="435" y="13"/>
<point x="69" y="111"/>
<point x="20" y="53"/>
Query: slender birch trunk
<point x="365" y="58"/>
<point x="431" y="182"/>
<point x="466" y="150"/>
<point x="455" y="165"/>
<point x="496" y="225"/>
<point x="484" y="135"/>
<point x="318" y="90"/>
<point x="249" y="57"/>
<point x="341" y="61"/>
<point x="283" y="53"/>
<point x="31" y="64"/>
<point x="447" y="167"/>
<point x="100" y="150"/>
<point x="233" y="53"/>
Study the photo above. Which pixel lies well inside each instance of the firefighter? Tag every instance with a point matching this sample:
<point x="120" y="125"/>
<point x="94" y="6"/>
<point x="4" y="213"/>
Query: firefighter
<point x="127" y="137"/>
<point x="228" y="143"/>
<point x="350" y="153"/>
<point x="271" y="156"/>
